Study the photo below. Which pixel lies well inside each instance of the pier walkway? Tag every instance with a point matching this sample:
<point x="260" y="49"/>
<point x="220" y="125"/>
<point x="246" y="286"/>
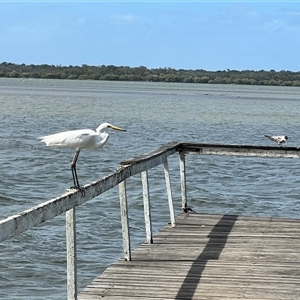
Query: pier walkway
<point x="209" y="257"/>
<point x="197" y="256"/>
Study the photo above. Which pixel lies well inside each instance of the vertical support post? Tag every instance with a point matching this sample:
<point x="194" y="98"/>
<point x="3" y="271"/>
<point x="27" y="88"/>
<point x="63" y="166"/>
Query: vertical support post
<point x="147" y="209"/>
<point x="125" y="221"/>
<point x="169" y="192"/>
<point x="183" y="181"/>
<point x="71" y="254"/>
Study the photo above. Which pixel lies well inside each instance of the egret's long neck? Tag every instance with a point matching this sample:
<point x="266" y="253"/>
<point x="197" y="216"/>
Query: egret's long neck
<point x="104" y="137"/>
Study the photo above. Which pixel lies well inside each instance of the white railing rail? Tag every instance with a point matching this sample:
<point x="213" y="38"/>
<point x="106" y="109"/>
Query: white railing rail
<point x="68" y="202"/>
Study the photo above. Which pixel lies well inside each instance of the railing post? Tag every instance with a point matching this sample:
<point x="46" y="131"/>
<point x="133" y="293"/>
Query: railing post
<point x="71" y="254"/>
<point x="147" y="209"/>
<point x="124" y="221"/>
<point x="183" y="181"/>
<point x="169" y="192"/>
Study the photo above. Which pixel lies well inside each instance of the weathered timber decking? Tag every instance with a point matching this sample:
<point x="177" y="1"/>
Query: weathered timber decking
<point x="209" y="257"/>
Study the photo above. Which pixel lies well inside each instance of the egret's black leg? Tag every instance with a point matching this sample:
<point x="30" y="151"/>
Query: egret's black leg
<point x="73" y="169"/>
<point x="74" y="173"/>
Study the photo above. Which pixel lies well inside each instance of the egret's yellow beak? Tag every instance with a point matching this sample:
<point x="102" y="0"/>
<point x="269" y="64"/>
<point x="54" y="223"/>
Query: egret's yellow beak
<point x="117" y="128"/>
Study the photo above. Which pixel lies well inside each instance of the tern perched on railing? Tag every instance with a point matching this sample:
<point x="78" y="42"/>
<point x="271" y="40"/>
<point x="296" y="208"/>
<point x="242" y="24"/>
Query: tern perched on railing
<point x="280" y="139"/>
<point x="78" y="140"/>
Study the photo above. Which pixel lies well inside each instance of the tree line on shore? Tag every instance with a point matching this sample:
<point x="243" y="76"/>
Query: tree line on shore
<point x="142" y="73"/>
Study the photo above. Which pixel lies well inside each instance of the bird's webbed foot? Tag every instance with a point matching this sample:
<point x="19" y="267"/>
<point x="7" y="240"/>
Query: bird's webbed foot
<point x="82" y="191"/>
<point x="79" y="188"/>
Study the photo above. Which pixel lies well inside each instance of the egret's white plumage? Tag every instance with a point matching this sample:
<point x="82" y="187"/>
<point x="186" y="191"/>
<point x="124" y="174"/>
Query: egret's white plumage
<point x="279" y="139"/>
<point x="78" y="140"/>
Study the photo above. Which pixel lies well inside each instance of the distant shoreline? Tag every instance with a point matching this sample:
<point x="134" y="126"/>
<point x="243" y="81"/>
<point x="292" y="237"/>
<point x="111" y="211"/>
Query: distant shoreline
<point x="125" y="73"/>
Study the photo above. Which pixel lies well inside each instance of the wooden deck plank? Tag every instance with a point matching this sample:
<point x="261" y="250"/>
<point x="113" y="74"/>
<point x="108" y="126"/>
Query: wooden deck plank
<point x="209" y="257"/>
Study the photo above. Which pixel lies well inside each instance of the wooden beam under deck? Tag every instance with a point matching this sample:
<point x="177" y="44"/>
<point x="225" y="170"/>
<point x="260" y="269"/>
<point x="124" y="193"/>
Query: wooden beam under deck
<point x="209" y="257"/>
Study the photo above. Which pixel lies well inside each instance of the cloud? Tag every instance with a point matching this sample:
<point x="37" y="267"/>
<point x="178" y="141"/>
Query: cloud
<point x="274" y="25"/>
<point x="124" y="19"/>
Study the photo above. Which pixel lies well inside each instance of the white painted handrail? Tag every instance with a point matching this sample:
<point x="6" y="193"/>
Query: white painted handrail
<point x="68" y="202"/>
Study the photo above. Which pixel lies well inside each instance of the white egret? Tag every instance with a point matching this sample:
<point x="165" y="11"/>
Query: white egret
<point x="280" y="139"/>
<point x="78" y="140"/>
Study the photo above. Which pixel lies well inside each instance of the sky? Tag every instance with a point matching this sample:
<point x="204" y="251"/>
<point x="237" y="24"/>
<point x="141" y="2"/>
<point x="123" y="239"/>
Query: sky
<point x="209" y="35"/>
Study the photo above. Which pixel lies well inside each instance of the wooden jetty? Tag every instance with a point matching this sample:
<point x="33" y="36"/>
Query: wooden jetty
<point x="209" y="257"/>
<point x="196" y="256"/>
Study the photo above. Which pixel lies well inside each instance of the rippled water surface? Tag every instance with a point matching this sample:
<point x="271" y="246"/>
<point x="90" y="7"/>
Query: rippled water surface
<point x="33" y="264"/>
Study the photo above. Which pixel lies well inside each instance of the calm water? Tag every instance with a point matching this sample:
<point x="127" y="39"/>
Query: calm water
<point x="33" y="265"/>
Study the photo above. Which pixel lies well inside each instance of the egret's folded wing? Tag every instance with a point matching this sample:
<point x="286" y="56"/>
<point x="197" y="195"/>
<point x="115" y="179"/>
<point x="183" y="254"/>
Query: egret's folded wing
<point x="70" y="139"/>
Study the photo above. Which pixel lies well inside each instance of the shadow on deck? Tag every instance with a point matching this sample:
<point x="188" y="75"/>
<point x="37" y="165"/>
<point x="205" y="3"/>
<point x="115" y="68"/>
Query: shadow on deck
<point x="217" y="241"/>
